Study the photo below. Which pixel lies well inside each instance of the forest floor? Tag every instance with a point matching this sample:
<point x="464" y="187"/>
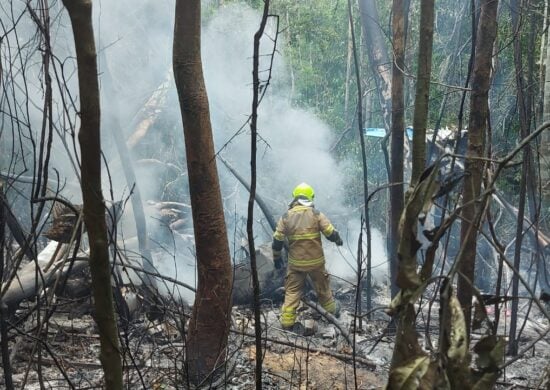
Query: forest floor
<point x="153" y="352"/>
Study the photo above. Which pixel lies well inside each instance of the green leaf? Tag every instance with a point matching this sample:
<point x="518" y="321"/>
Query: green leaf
<point x="458" y="344"/>
<point x="408" y="375"/>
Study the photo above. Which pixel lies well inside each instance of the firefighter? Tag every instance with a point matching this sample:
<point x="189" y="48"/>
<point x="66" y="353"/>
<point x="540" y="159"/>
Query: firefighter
<point x="302" y="226"/>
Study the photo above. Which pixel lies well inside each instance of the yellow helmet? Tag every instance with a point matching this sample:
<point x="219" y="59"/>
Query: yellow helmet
<point x="304" y="190"/>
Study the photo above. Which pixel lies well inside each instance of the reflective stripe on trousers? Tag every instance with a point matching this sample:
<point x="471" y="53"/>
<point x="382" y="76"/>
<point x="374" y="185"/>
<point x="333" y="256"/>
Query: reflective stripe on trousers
<point x="294" y="285"/>
<point x="288" y="316"/>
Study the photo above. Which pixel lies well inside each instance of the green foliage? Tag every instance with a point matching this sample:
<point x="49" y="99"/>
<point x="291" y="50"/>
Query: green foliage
<point x="315" y="35"/>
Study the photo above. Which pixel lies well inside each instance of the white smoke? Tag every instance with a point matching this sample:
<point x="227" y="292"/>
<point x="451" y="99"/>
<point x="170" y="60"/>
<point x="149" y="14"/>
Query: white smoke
<point x="294" y="144"/>
<point x="134" y="41"/>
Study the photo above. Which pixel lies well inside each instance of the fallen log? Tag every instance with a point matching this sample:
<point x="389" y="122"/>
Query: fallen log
<point x="50" y="264"/>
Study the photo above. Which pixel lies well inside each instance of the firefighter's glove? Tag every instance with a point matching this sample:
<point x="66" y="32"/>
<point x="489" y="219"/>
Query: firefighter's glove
<point x="278" y="263"/>
<point x="335" y="237"/>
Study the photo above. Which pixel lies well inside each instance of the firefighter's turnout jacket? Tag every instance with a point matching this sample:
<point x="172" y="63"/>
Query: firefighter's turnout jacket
<point x="302" y="226"/>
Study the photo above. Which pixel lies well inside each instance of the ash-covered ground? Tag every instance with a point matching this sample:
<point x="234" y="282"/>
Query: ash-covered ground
<point x="64" y="353"/>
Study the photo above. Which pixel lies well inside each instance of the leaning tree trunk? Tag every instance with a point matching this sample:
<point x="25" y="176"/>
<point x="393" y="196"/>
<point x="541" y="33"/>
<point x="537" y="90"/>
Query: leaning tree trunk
<point x="80" y="12"/>
<point x="473" y="167"/>
<point x="209" y="325"/>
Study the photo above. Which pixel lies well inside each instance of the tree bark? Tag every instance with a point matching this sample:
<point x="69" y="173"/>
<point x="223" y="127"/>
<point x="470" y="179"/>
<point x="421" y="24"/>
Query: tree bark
<point x="80" y="12"/>
<point x="473" y="167"/>
<point x="209" y="324"/>
<point x="422" y="98"/>
<point x="397" y="138"/>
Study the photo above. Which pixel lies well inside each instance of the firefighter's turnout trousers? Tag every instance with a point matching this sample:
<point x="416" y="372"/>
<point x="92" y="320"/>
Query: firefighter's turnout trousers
<point x="294" y="285"/>
<point x="303" y="225"/>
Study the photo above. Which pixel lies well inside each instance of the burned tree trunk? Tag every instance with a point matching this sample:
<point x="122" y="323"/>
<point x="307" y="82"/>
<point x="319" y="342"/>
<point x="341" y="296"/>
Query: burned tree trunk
<point x="209" y="324"/>
<point x="80" y="12"/>
<point x="473" y="167"/>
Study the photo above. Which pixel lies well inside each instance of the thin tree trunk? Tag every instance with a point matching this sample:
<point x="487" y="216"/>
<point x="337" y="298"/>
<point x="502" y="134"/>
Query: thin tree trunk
<point x="250" y="216"/>
<point x="80" y="12"/>
<point x="532" y="180"/>
<point x="348" y="71"/>
<point x="379" y="60"/>
<point x="544" y="150"/>
<point x="528" y="179"/>
<point x="454" y="46"/>
<point x="210" y="321"/>
<point x="4" y="341"/>
<point x="542" y="58"/>
<point x="397" y="138"/>
<point x="290" y="64"/>
<point x="131" y="181"/>
<point x="366" y="216"/>
<point x="513" y="342"/>
<point x="422" y="88"/>
<point x="475" y="26"/>
<point x="473" y="167"/>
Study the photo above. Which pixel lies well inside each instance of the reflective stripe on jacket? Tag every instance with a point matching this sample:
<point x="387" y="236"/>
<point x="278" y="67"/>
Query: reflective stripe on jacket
<point x="302" y="226"/>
